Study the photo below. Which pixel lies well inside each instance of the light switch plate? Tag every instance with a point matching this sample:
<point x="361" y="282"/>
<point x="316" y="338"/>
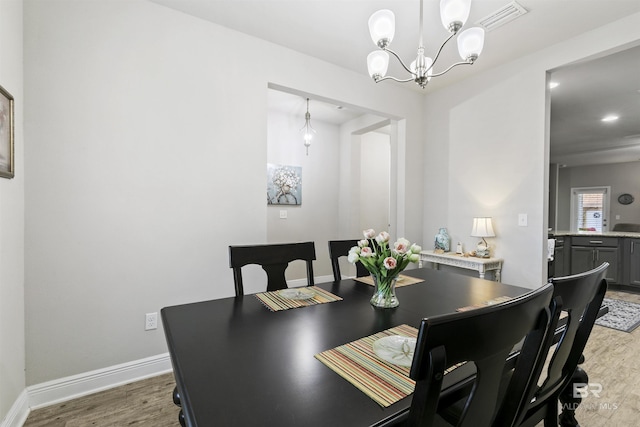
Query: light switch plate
<point x="283" y="214"/>
<point x="522" y="220"/>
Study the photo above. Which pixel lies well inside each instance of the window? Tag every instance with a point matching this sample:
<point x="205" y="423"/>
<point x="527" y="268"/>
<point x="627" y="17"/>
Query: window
<point x="589" y="209"/>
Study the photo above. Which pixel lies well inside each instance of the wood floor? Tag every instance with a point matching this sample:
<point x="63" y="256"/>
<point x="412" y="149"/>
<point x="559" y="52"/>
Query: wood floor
<point x="142" y="403"/>
<point x="612" y="360"/>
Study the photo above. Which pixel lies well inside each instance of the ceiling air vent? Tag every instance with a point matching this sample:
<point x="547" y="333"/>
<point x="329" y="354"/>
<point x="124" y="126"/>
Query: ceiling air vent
<point x="501" y="16"/>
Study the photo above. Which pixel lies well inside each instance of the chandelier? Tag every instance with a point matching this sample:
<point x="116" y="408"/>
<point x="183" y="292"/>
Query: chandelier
<point x="453" y="13"/>
<point x="308" y="130"/>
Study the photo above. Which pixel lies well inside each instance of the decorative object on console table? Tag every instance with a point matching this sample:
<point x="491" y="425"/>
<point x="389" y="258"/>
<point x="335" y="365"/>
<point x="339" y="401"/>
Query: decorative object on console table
<point x="384" y="264"/>
<point x="482" y="228"/>
<point x="6" y="135"/>
<point x="442" y="242"/>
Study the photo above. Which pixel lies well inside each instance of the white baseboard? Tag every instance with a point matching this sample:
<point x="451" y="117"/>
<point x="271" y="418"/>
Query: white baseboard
<point x="63" y="389"/>
<point x="18" y="412"/>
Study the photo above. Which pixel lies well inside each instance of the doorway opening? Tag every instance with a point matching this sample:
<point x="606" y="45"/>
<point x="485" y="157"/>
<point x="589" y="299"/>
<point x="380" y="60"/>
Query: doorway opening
<point x="590" y="209"/>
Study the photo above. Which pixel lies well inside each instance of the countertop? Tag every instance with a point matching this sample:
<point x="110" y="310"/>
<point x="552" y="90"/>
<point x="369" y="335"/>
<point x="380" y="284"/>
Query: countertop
<point x="595" y="233"/>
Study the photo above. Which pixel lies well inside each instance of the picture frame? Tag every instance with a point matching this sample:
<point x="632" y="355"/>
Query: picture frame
<point x="6" y="134"/>
<point x="284" y="185"/>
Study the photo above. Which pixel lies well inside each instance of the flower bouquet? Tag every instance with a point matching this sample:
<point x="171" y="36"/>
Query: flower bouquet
<point x="384" y="263"/>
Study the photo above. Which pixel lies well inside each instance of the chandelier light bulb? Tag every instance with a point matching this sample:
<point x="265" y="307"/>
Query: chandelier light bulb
<point x="470" y="43"/>
<point x="454" y="13"/>
<point x="377" y="63"/>
<point x="382" y="27"/>
<point x="307" y="138"/>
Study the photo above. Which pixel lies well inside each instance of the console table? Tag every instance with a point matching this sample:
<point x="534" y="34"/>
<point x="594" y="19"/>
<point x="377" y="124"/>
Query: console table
<point x="481" y="265"/>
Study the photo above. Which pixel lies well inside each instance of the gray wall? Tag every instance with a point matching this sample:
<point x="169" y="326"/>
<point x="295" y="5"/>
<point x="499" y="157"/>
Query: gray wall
<point x="12" y="345"/>
<point x="621" y="177"/>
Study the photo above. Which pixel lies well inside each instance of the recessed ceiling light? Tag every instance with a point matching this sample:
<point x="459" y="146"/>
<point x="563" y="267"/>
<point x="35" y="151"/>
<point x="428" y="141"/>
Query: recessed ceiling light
<point x="611" y="118"/>
<point x="553" y="84"/>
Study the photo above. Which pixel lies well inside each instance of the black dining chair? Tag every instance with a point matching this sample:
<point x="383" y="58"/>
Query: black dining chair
<point x="484" y="337"/>
<point x="582" y="296"/>
<point x="339" y="249"/>
<point x="274" y="260"/>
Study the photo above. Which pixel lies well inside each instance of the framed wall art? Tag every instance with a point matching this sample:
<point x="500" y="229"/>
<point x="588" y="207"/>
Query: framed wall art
<point x="6" y="134"/>
<point x="284" y="185"/>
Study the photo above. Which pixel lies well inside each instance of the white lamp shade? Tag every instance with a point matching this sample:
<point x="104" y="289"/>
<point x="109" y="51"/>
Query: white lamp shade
<point x="482" y="227"/>
<point x="471" y="42"/>
<point x="454" y="11"/>
<point x="377" y="63"/>
<point x="382" y="25"/>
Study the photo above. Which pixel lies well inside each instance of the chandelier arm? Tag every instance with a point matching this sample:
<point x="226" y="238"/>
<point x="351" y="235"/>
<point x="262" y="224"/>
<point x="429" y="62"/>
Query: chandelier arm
<point x="435" y="58"/>
<point x="395" y="79"/>
<point x="400" y="60"/>
<point x="453" y="65"/>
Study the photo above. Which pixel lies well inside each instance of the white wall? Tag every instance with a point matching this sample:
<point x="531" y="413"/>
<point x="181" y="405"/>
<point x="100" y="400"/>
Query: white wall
<point x="146" y="159"/>
<point x="487" y="152"/>
<point x="12" y="344"/>
<point x="375" y="160"/>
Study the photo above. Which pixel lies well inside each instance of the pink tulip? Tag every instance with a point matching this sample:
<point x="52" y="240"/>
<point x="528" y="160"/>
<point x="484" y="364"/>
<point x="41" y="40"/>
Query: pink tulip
<point x="366" y="252"/>
<point x="369" y="233"/>
<point x="390" y="263"/>
<point x="383" y="237"/>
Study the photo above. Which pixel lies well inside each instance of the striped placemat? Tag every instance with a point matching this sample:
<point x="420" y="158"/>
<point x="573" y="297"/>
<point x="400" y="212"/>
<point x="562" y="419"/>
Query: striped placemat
<point x="402" y="280"/>
<point x="383" y="382"/>
<point x="274" y="302"/>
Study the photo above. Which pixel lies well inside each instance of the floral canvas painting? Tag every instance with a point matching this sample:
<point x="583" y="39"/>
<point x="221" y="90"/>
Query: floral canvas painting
<point x="284" y="185"/>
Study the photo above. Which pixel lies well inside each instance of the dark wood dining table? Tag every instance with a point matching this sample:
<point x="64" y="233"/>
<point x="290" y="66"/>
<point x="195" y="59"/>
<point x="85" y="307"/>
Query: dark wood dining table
<point x="236" y="363"/>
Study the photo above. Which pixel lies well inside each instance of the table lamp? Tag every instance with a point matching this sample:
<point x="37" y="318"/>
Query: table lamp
<point x="482" y="227"/>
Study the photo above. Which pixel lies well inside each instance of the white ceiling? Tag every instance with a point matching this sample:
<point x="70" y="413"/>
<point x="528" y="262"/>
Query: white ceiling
<point x="587" y="92"/>
<point x="336" y="31"/>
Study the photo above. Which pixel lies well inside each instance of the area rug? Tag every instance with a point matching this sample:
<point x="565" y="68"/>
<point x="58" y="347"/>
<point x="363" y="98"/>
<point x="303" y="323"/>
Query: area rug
<point x="623" y="316"/>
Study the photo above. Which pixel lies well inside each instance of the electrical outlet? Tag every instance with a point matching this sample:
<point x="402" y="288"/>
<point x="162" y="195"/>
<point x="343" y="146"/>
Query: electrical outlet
<point x="151" y="321"/>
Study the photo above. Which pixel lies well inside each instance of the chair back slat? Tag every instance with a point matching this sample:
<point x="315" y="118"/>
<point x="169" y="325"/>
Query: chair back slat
<point x="340" y="248"/>
<point x="274" y="260"/>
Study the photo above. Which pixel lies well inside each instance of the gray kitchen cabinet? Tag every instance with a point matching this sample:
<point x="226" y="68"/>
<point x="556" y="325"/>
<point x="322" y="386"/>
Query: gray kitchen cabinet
<point x="588" y="252"/>
<point x="632" y="261"/>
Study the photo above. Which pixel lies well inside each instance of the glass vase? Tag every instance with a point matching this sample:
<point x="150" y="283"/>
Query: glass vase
<point x="384" y="294"/>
